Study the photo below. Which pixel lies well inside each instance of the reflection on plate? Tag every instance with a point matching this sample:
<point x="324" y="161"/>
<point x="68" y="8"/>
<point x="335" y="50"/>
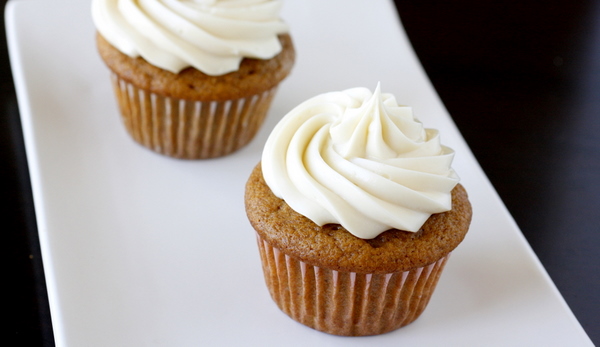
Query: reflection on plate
<point x="141" y="249"/>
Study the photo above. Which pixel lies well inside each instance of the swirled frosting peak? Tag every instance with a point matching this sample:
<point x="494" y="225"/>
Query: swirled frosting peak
<point x="359" y="159"/>
<point x="213" y="36"/>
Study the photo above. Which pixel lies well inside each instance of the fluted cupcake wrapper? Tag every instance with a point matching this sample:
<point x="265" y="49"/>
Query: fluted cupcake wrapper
<point x="190" y="129"/>
<point x="347" y="303"/>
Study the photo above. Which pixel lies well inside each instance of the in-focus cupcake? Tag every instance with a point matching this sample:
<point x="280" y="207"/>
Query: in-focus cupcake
<point x="356" y="210"/>
<point x="193" y="79"/>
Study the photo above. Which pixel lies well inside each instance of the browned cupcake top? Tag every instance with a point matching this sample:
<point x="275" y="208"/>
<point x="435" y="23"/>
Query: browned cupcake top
<point x="332" y="247"/>
<point x="253" y="77"/>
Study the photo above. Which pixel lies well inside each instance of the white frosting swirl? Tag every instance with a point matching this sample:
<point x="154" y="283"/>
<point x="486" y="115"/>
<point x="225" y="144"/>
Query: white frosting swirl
<point x="213" y="36"/>
<point x="359" y="159"/>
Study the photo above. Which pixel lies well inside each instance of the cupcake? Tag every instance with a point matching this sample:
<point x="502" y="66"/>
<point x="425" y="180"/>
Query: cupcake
<point x="356" y="210"/>
<point x="193" y="79"/>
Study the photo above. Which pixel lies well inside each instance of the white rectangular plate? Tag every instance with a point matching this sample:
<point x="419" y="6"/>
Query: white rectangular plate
<point x="145" y="250"/>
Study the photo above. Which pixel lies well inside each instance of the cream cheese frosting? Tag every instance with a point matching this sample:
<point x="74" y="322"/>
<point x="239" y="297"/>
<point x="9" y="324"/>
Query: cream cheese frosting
<point x="359" y="159"/>
<point x="213" y="36"/>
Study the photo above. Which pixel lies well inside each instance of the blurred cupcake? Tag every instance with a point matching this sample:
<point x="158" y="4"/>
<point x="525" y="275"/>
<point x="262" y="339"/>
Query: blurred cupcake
<point x="193" y="79"/>
<point x="356" y="210"/>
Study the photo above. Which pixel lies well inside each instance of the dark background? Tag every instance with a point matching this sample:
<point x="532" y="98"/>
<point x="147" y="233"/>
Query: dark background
<point x="521" y="80"/>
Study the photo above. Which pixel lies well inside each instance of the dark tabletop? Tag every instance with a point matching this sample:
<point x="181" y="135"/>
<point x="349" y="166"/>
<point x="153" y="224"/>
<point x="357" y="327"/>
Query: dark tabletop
<point x="522" y="82"/>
